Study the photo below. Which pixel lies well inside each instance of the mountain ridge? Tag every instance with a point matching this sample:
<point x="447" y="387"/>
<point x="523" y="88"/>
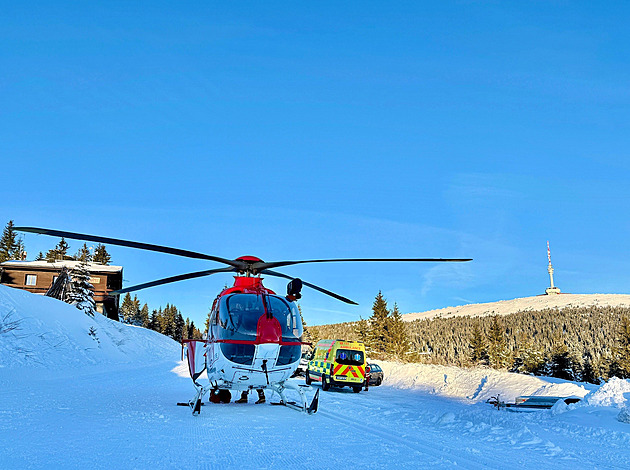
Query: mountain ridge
<point x="538" y="302"/>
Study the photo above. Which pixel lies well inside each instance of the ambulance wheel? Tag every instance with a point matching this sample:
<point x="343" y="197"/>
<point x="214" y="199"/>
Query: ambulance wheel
<point x="325" y="384"/>
<point x="308" y="378"/>
<point x="356" y="389"/>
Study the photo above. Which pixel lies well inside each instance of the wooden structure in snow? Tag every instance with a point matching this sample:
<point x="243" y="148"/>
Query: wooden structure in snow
<point x="39" y="277"/>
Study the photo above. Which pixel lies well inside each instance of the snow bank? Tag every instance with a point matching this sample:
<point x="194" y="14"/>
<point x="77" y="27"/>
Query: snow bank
<point x="477" y="384"/>
<point x="610" y="394"/>
<point x="44" y="332"/>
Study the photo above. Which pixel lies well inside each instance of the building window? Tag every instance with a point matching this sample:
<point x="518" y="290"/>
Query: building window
<point x="31" y="279"/>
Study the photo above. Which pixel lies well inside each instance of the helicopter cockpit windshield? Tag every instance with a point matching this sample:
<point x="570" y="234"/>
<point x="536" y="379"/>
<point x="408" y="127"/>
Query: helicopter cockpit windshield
<point x="239" y="314"/>
<point x="238" y="319"/>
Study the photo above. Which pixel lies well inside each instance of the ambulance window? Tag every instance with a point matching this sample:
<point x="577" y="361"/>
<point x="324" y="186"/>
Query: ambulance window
<point x="348" y="357"/>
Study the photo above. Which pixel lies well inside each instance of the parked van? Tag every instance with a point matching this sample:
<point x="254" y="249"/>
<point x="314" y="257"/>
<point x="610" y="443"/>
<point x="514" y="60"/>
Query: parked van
<point x="337" y="363"/>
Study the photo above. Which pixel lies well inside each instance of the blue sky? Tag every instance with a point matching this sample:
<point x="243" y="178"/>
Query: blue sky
<point x="317" y="130"/>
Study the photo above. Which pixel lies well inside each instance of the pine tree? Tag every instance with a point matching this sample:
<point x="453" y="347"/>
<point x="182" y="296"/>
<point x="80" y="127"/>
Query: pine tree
<point x="497" y="348"/>
<point x="154" y="320"/>
<point x="379" y="324"/>
<point x="11" y="246"/>
<point x="40" y="257"/>
<point x="533" y="359"/>
<point x="561" y="362"/>
<point x="81" y="292"/>
<point x="186" y="329"/>
<point x="362" y="330"/>
<point x="588" y="370"/>
<point x="20" y="253"/>
<point x="101" y="255"/>
<point x="144" y="316"/>
<point x="179" y="327"/>
<point x="192" y="331"/>
<point x="478" y="346"/>
<point x="129" y="310"/>
<point x="307" y="334"/>
<point x="621" y="351"/>
<point x="84" y="254"/>
<point x="59" y="252"/>
<point x="398" y="341"/>
<point x="167" y="321"/>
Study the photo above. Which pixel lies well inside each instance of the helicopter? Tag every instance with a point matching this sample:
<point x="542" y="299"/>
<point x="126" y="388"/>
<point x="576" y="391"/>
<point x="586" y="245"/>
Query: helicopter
<point x="254" y="339"/>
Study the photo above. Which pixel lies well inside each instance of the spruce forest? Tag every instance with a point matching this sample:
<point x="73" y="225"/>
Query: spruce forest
<point x="583" y="344"/>
<point x="168" y="320"/>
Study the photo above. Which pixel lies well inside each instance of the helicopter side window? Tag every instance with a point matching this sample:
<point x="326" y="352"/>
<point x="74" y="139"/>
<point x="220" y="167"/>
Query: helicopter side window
<point x="288" y="316"/>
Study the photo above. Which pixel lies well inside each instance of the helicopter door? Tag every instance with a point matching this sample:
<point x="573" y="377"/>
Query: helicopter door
<point x="196" y="357"/>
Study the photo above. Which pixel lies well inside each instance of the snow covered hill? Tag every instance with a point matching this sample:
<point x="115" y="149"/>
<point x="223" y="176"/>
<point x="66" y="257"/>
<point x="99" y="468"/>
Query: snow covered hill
<point x="38" y="331"/>
<point x="539" y="302"/>
<point x="69" y="399"/>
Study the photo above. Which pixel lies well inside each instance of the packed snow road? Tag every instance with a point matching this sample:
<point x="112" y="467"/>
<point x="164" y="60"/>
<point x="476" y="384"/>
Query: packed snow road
<point x="126" y="417"/>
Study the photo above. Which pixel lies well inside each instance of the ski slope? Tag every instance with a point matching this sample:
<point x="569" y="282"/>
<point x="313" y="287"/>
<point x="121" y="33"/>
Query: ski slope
<point x="113" y="405"/>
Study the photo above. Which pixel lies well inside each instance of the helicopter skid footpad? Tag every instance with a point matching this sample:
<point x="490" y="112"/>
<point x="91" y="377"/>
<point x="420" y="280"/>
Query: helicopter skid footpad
<point x="305" y="407"/>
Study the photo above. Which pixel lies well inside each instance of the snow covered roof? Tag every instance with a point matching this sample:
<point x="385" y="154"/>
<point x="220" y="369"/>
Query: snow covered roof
<point x="94" y="267"/>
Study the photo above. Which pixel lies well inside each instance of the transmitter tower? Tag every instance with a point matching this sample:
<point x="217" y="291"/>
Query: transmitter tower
<point x="551" y="290"/>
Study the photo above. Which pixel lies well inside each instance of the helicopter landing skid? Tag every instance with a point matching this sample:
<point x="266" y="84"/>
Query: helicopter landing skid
<point x="196" y="403"/>
<point x="306" y="407"/>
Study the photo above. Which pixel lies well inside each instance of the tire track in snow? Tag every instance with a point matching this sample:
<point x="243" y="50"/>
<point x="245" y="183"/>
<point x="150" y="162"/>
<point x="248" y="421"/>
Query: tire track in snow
<point x="446" y="455"/>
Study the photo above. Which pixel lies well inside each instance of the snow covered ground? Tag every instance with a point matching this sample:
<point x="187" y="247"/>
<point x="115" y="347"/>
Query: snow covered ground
<point x="68" y="401"/>
<point x="538" y="302"/>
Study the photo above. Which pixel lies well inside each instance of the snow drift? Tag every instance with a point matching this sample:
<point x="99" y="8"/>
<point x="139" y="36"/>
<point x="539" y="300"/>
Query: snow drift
<point x="477" y="384"/>
<point x="612" y="393"/>
<point x="44" y="332"/>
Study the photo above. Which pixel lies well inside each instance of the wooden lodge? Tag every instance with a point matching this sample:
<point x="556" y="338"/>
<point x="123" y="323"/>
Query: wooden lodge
<point x="38" y="276"/>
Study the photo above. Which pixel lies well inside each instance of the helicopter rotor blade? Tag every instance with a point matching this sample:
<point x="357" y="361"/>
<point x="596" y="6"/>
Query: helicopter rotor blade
<point x="275" y="264"/>
<point x="130" y="244"/>
<point x="312" y="286"/>
<point x="168" y="280"/>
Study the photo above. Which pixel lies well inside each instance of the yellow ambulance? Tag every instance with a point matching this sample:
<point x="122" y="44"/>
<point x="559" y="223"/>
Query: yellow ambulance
<point x="337" y="363"/>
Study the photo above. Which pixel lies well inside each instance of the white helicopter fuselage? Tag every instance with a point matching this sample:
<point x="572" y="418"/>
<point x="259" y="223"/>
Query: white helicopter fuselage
<point x="230" y="375"/>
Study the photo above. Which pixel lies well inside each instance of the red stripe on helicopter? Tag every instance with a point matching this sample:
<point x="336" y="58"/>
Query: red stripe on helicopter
<point x="245" y="341"/>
